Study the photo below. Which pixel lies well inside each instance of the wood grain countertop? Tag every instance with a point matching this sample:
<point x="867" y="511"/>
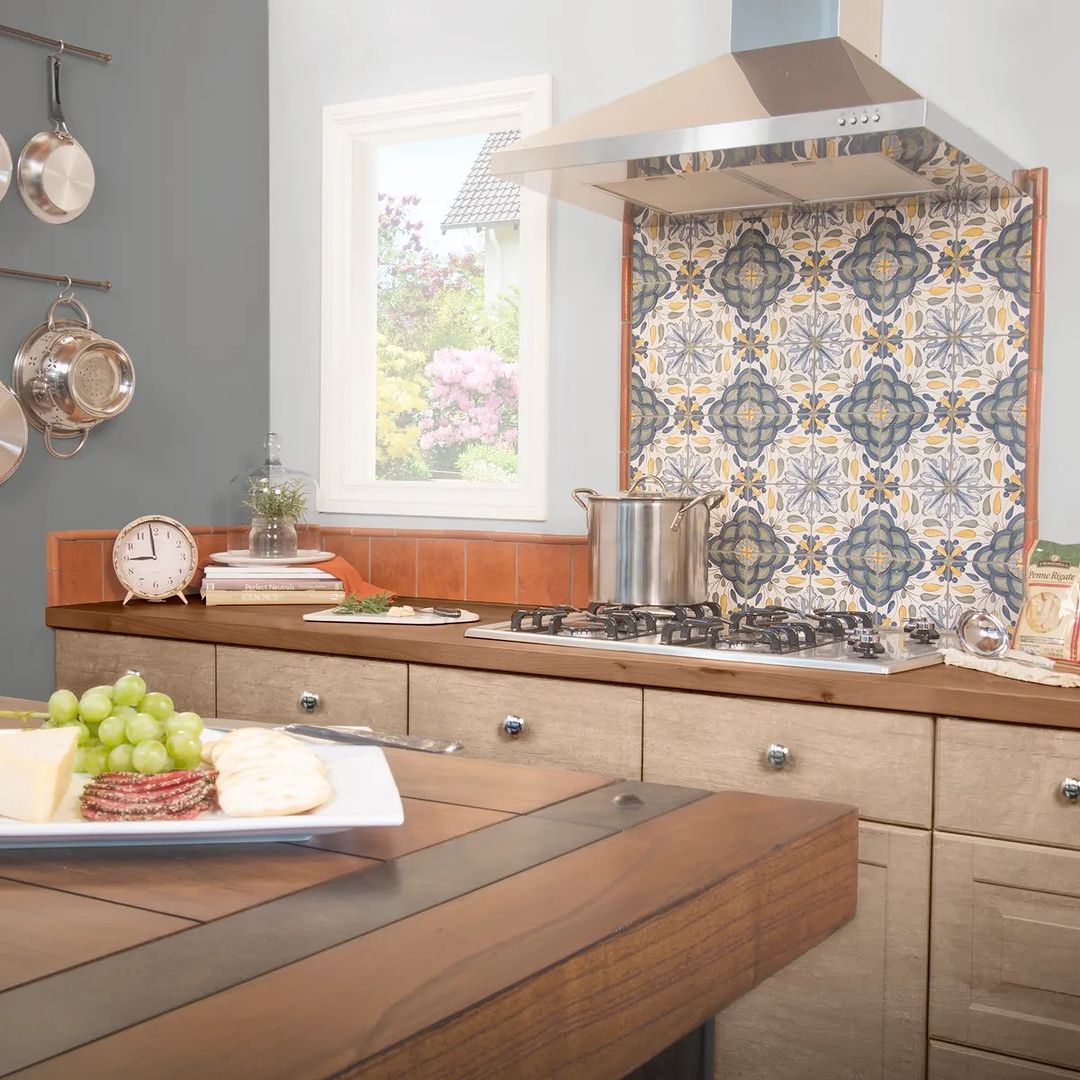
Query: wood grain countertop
<point x="523" y="921"/>
<point x="937" y="690"/>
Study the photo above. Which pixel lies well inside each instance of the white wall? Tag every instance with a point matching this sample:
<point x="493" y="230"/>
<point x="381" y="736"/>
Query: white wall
<point x="326" y="51"/>
<point x="1010" y="72"/>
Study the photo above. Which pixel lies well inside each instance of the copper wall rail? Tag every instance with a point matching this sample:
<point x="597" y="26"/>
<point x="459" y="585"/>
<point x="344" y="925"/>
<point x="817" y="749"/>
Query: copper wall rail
<point x="56" y="43"/>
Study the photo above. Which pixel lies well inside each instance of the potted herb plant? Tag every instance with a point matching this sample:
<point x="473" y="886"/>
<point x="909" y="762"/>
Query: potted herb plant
<point x="276" y="506"/>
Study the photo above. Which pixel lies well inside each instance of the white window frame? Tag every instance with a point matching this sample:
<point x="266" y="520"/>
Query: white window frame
<point x="352" y="134"/>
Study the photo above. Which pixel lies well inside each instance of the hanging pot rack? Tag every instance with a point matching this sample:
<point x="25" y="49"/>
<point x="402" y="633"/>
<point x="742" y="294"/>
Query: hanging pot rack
<point x="63" y="280"/>
<point x="57" y="43"/>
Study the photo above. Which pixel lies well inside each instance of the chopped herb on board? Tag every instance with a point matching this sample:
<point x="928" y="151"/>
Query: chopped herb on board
<point x="378" y="604"/>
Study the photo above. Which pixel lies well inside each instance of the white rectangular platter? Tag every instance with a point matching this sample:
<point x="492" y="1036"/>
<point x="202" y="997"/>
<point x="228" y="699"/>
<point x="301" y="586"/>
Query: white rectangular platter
<point x="365" y="794"/>
<point x="419" y="619"/>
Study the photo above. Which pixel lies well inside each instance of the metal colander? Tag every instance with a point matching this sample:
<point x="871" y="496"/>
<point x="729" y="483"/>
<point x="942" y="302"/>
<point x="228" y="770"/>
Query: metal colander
<point x="100" y="380"/>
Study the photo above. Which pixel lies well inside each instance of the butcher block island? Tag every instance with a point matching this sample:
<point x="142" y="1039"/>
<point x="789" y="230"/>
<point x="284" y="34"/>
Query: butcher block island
<point x="522" y="922"/>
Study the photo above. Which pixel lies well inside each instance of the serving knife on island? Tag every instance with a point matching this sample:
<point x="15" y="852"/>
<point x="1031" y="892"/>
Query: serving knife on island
<point x="362" y="736"/>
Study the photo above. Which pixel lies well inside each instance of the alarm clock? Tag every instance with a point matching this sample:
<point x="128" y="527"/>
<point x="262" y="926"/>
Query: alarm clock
<point x="154" y="558"/>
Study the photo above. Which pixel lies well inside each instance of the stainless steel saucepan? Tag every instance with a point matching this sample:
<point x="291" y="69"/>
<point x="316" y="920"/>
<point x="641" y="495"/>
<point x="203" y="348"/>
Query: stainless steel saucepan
<point x="56" y="175"/>
<point x="648" y="548"/>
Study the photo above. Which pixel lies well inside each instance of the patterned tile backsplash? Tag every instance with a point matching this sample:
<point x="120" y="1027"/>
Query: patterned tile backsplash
<point x="854" y="376"/>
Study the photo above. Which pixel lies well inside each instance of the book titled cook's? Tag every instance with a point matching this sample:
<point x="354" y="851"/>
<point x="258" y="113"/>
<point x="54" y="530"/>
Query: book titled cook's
<point x="252" y="597"/>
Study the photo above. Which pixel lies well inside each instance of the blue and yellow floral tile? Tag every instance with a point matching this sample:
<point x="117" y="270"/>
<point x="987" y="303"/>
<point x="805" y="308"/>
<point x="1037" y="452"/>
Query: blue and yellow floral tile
<point x="854" y="376"/>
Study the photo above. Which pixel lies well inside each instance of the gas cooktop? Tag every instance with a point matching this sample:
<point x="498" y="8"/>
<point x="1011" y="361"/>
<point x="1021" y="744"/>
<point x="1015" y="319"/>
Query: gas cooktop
<point x="821" y="638"/>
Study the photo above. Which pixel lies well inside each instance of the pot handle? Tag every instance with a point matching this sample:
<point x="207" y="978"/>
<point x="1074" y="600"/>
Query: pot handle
<point x="71" y="302"/>
<point x="56" y="453"/>
<point x="711" y="500"/>
<point x="646" y="478"/>
<point x="578" y="492"/>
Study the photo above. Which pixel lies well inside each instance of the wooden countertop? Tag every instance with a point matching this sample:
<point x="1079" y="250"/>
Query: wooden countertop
<point x="522" y="921"/>
<point x="936" y="690"/>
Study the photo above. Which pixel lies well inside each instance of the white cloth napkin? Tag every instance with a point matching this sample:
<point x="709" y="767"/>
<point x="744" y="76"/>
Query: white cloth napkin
<point x="1011" y="669"/>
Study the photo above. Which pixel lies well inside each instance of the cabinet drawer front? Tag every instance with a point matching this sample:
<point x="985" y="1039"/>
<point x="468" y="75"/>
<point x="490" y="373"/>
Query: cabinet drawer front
<point x="568" y="724"/>
<point x="948" y="1062"/>
<point x="1005" y="973"/>
<point x="881" y="762"/>
<point x="854" y="1007"/>
<point x="1005" y="780"/>
<point x="182" y="669"/>
<point x="265" y="684"/>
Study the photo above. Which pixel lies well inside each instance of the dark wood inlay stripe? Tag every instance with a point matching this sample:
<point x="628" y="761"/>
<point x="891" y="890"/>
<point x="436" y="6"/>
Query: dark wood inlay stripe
<point x="160" y="976"/>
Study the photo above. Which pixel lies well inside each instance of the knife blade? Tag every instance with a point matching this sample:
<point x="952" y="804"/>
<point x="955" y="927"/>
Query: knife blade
<point x="367" y="737"/>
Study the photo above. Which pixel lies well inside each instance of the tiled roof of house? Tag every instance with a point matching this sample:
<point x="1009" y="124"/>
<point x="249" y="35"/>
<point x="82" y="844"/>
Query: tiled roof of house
<point x="484" y="199"/>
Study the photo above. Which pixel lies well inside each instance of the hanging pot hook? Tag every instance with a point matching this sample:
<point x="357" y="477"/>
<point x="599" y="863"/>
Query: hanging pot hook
<point x="66" y="292"/>
<point x="59" y="52"/>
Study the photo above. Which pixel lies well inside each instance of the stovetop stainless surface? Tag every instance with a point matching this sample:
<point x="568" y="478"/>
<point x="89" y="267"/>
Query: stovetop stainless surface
<point x="837" y="641"/>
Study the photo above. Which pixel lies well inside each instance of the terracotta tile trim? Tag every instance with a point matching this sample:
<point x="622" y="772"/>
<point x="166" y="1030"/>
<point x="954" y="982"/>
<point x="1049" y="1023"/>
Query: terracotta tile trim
<point x="1035" y="182"/>
<point x="625" y="346"/>
<point x="554" y="571"/>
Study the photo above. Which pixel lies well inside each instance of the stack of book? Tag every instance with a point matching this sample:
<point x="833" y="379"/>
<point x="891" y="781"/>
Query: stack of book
<point x="270" y="585"/>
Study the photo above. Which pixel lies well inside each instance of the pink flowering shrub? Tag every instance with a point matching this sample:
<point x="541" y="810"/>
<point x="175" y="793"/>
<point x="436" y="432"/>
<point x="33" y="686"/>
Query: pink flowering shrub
<point x="473" y="397"/>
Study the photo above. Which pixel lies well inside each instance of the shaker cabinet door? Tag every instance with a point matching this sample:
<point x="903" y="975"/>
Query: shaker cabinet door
<point x="1005" y="973"/>
<point x="854" y="1007"/>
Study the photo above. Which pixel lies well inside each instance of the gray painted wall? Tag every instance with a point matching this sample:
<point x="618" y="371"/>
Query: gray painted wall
<point x="328" y="51"/>
<point x="177" y="128"/>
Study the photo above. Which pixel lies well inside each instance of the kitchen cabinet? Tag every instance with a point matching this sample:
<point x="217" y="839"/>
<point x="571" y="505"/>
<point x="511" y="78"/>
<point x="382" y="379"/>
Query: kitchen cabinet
<point x="182" y="669"/>
<point x="1005" y="971"/>
<point x="268" y="684"/>
<point x="949" y="1062"/>
<point x="854" y="1008"/>
<point x="566" y="724"/>
<point x="1005" y="780"/>
<point x="881" y="762"/>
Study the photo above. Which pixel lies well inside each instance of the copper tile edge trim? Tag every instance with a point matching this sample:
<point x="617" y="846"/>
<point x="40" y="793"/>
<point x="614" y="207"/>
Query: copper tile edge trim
<point x="1036" y="182"/>
<point x="625" y="347"/>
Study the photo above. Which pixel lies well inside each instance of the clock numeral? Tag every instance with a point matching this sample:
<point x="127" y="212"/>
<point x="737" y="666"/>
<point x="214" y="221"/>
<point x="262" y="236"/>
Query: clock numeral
<point x="140" y="535"/>
<point x="130" y="546"/>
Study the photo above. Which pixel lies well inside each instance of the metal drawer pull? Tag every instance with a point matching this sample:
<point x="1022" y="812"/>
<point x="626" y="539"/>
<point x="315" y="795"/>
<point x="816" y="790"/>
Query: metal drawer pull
<point x="777" y="756"/>
<point x="309" y="701"/>
<point x="513" y="726"/>
<point x="1070" y="788"/>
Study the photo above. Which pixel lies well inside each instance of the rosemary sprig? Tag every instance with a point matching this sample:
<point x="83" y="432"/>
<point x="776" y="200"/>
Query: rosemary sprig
<point x="378" y="604"/>
<point x="285" y="500"/>
<point x="23" y="715"/>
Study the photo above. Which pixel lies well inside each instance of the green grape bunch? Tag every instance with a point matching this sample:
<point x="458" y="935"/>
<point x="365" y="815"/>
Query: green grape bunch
<point x="127" y="728"/>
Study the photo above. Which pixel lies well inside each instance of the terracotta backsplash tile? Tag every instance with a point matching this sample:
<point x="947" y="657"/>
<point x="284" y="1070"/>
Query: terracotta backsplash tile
<point x="80" y="571"/>
<point x="440" y="568"/>
<point x="354" y="549"/>
<point x="393" y="564"/>
<point x="543" y="574"/>
<point x="491" y="571"/>
<point x="579" y="575"/>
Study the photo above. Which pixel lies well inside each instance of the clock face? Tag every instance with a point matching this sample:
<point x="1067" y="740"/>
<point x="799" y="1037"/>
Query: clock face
<point x="155" y="557"/>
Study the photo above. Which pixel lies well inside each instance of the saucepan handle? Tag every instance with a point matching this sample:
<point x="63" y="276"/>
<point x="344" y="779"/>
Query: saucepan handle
<point x="711" y="499"/>
<point x="647" y="478"/>
<point x="577" y="494"/>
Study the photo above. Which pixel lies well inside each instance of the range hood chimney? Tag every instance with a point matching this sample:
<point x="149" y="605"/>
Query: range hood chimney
<point x="796" y="113"/>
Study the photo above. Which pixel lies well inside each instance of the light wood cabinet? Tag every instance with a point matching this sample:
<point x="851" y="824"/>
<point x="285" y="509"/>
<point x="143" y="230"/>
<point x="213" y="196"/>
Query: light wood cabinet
<point x="182" y="669"/>
<point x="854" y="1007"/>
<point x="949" y="1062"/>
<point x="880" y="762"/>
<point x="266" y="684"/>
<point x="595" y="727"/>
<point x="1005" y="780"/>
<point x="1005" y="972"/>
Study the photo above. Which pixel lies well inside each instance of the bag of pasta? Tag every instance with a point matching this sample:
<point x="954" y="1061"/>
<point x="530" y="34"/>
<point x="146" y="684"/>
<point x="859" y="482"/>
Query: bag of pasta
<point x="1049" y="622"/>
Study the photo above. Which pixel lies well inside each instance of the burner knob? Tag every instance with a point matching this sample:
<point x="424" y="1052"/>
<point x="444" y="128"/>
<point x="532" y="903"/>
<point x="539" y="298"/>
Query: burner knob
<point x="513" y="726"/>
<point x="1070" y="788"/>
<point x="777" y="756"/>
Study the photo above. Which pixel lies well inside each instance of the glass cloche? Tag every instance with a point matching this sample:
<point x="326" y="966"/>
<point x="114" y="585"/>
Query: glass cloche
<point x="274" y="498"/>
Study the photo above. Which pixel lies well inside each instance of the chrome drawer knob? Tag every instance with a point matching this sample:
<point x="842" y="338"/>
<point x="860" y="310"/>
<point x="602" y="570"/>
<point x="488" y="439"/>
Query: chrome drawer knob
<point x="309" y="701"/>
<point x="513" y="726"/>
<point x="1070" y="788"/>
<point x="777" y="756"/>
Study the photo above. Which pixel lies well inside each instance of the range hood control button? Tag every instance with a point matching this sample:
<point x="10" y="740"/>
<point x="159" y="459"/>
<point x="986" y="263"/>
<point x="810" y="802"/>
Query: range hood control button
<point x="842" y="121"/>
<point x="864" y="118"/>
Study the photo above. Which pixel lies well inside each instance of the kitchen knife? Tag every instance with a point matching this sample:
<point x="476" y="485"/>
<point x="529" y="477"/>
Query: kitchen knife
<point x="367" y="737"/>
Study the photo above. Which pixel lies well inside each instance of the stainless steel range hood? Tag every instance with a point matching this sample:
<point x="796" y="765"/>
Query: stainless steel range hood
<point x="810" y="121"/>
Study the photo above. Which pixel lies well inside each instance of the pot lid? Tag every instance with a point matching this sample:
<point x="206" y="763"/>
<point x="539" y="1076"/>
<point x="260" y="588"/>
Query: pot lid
<point x="13" y="433"/>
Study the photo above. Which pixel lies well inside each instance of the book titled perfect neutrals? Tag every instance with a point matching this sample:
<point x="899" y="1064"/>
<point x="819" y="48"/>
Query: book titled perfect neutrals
<point x="273" y="585"/>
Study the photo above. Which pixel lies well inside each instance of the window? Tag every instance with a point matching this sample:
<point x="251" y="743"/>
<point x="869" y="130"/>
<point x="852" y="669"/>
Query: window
<point x="434" y="354"/>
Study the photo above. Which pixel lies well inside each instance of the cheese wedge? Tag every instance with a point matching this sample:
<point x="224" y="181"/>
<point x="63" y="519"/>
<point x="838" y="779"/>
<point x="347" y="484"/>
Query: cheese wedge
<point x="35" y="772"/>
